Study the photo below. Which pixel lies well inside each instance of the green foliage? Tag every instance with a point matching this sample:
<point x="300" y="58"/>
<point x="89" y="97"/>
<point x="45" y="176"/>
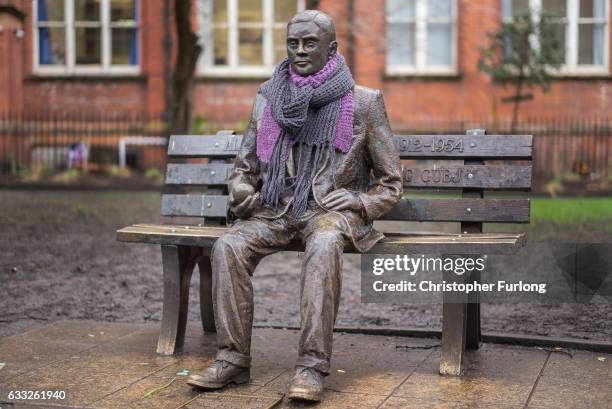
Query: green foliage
<point x="524" y="53"/>
<point x="524" y="50"/>
<point x="154" y="174"/>
<point x="244" y="123"/>
<point x="67" y="176"/>
<point x="119" y="172"/>
<point x="557" y="184"/>
<point x="199" y="126"/>
<point x="36" y="172"/>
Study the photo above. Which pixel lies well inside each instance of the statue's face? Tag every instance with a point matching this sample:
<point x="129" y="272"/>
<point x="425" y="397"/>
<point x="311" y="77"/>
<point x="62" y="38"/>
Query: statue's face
<point x="309" y="47"/>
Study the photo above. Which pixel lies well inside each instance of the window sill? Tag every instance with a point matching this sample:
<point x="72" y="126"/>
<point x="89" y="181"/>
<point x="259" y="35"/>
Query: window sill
<point x="580" y="76"/>
<point x="233" y="77"/>
<point x="568" y="76"/>
<point x="423" y="76"/>
<point x="110" y="77"/>
<point x="585" y="73"/>
<point x="226" y="73"/>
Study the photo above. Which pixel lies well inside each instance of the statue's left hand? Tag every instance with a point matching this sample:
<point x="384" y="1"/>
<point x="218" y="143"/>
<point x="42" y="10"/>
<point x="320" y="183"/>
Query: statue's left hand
<point x="342" y="199"/>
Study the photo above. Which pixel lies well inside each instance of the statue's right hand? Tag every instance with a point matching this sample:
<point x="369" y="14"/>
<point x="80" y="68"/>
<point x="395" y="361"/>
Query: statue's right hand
<point x="240" y="193"/>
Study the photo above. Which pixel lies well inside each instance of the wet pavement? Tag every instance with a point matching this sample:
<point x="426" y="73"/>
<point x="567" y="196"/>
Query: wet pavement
<point x="111" y="365"/>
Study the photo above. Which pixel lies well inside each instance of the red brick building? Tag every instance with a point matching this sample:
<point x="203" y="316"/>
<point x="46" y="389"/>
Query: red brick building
<point x="108" y="55"/>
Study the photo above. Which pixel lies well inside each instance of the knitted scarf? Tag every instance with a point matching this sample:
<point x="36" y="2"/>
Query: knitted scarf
<point x="314" y="112"/>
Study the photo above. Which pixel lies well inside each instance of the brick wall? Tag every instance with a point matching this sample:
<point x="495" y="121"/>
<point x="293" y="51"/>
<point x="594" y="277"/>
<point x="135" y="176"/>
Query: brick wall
<point x="88" y="95"/>
<point x="11" y="53"/>
<point x="141" y="94"/>
<point x="227" y="103"/>
<point x="467" y="95"/>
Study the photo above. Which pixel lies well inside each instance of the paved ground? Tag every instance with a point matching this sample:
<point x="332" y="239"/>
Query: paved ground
<point x="110" y="365"/>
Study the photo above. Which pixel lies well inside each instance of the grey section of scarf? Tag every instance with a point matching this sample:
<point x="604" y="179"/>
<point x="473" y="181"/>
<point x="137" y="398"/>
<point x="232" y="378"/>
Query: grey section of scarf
<point x="308" y="117"/>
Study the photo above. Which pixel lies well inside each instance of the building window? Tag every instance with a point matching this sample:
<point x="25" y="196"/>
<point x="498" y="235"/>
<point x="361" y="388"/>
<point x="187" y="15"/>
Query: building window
<point x="583" y="27"/>
<point x="421" y="37"/>
<point x="86" y="36"/>
<point x="244" y="37"/>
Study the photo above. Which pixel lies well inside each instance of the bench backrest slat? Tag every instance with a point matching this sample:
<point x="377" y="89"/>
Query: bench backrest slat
<point x="464" y="146"/>
<point x="503" y="177"/>
<point x="190" y="205"/>
<point x="190" y="146"/>
<point x="464" y="169"/>
<point x="462" y="209"/>
<point x="408" y="146"/>
<point x="198" y="173"/>
<point x="439" y="210"/>
<point x="500" y="177"/>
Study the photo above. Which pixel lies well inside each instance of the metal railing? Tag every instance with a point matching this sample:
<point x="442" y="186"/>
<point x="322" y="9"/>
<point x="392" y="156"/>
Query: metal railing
<point x="57" y="141"/>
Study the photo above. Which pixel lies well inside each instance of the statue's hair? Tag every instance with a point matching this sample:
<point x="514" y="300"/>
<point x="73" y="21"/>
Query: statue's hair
<point x="322" y="20"/>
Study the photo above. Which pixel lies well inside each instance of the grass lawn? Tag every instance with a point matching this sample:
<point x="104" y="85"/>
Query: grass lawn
<point x="565" y="211"/>
<point x="573" y="211"/>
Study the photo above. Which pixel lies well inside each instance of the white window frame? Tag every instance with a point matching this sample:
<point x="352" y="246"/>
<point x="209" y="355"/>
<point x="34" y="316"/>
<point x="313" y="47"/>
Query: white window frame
<point x="70" y="67"/>
<point x="420" y="67"/>
<point x="572" y="21"/>
<point x="206" y="67"/>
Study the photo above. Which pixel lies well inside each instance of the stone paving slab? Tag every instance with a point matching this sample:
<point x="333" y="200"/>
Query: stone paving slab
<point x="495" y="375"/>
<point x="332" y="398"/>
<point x="583" y="380"/>
<point x="21" y="354"/>
<point x="109" y="365"/>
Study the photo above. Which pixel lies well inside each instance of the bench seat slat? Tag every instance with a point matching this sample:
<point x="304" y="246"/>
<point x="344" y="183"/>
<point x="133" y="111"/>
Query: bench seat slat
<point x="205" y="236"/>
<point x="408" y="146"/>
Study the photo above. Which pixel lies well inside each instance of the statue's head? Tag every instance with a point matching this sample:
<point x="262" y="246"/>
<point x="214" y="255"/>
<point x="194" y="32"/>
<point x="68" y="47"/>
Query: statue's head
<point x="311" y="41"/>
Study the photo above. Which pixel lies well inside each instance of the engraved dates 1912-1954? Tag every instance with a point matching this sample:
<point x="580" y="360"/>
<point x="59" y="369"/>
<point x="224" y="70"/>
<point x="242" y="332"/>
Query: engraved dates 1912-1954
<point x="432" y="144"/>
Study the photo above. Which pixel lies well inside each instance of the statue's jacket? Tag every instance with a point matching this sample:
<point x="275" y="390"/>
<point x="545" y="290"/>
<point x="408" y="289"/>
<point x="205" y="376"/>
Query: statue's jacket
<point x="371" y="168"/>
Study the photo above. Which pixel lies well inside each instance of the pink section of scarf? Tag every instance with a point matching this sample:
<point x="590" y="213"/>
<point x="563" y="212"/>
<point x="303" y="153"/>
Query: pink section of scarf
<point x="268" y="134"/>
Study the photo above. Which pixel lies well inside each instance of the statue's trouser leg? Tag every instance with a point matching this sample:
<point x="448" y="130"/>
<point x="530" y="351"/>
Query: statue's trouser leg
<point x="320" y="288"/>
<point x="234" y="258"/>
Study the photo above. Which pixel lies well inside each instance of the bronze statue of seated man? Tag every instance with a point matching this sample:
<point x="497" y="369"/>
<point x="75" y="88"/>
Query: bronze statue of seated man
<point x="317" y="164"/>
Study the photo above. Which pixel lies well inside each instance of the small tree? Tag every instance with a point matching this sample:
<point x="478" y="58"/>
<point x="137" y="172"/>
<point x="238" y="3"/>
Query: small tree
<point x="187" y="56"/>
<point x="524" y="53"/>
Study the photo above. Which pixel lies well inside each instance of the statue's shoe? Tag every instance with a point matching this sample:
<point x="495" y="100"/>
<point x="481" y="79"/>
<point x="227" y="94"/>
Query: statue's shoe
<point x="306" y="385"/>
<point x="219" y="375"/>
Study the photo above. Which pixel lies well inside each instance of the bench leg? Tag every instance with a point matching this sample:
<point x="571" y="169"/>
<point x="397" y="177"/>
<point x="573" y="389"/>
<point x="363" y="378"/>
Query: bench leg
<point x="206" y="301"/>
<point x="454" y="320"/>
<point x="473" y="317"/>
<point x="178" y="264"/>
<point x="453" y="338"/>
